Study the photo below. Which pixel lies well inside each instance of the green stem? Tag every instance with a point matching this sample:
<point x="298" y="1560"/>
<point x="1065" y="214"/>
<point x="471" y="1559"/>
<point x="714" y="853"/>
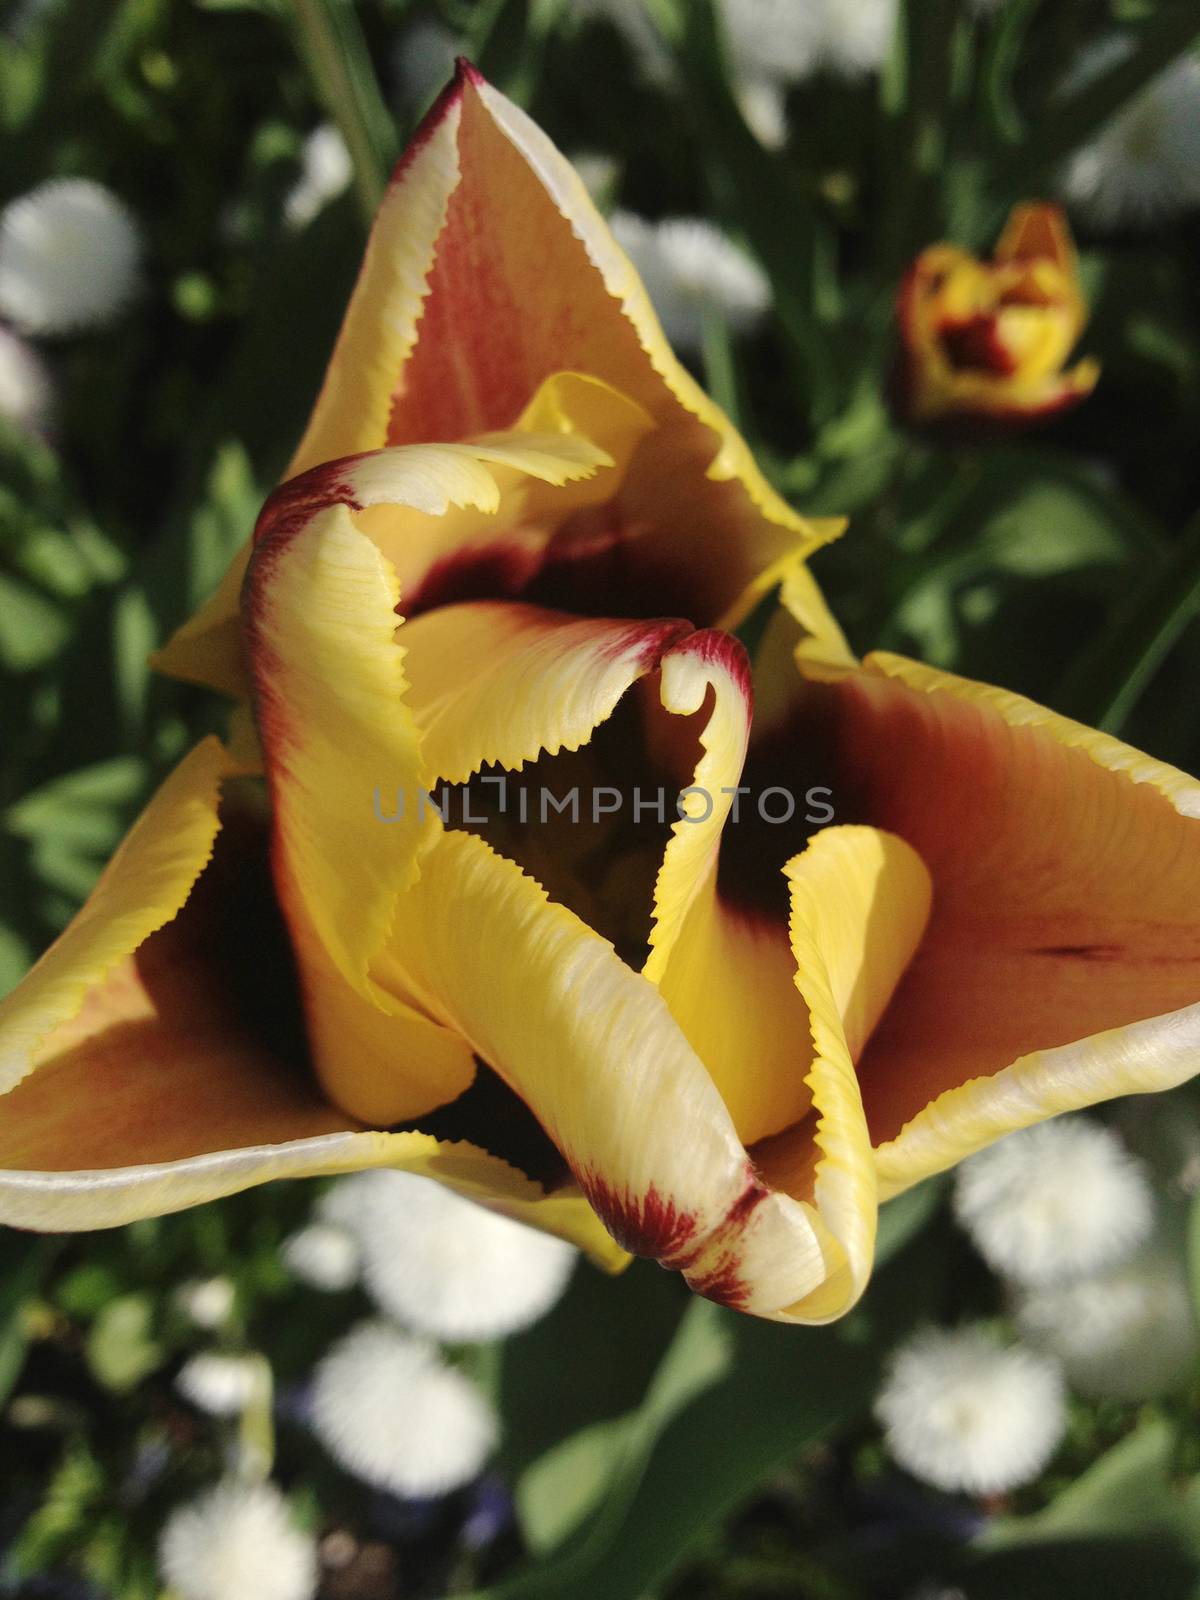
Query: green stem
<point x="330" y="42"/>
<point x="720" y="367"/>
<point x="917" y="97"/>
<point x="1121" y="665"/>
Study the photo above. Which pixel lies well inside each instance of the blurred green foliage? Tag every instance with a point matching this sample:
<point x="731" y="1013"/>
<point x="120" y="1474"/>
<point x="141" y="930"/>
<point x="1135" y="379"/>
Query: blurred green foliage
<point x="641" y="1431"/>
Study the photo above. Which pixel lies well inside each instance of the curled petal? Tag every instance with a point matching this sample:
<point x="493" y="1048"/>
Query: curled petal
<point x="1061" y="964"/>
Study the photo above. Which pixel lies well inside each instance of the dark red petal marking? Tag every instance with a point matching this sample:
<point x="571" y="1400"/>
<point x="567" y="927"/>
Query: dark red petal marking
<point x="711" y="645"/>
<point x="294" y="502"/>
<point x="645" y="1224"/>
<point x="973" y="344"/>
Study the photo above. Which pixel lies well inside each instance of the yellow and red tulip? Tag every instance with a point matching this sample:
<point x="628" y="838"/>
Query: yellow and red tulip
<point x="512" y="546"/>
<point x="987" y="342"/>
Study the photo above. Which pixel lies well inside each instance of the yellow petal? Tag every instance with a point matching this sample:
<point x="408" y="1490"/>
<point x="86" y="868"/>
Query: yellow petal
<point x="489" y="271"/>
<point x="183" y="1076"/>
<point x="141" y="889"/>
<point x="1061" y="965"/>
<point x="495" y="683"/>
<point x="320" y="623"/>
<point x="859" y="903"/>
<point x="590" y="1047"/>
<point x="1038" y="232"/>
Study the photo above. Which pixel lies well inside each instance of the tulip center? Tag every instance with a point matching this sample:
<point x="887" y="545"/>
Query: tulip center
<point x="592" y="825"/>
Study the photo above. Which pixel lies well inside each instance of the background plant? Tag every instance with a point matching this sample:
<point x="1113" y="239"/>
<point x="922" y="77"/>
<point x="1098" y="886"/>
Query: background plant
<point x="650" y="1444"/>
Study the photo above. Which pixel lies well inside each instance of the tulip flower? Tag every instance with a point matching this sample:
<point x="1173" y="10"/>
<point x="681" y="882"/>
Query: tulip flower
<point x="985" y="343"/>
<point x="426" y="910"/>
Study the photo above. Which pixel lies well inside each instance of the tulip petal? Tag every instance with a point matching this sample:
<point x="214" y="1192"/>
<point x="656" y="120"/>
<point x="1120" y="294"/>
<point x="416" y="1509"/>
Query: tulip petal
<point x="488" y="271"/>
<point x="1061" y="964"/>
<point x="174" y="1121"/>
<point x="591" y="1048"/>
<point x="320" y="624"/>
<point x="183" y="1076"/>
<point x="500" y="684"/>
<point x="726" y="977"/>
<point x="1038" y="232"/>
<point x="859" y="904"/>
<point x="142" y="888"/>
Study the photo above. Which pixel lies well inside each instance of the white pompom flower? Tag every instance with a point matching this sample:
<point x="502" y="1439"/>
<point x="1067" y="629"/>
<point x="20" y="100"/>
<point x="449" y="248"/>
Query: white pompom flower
<point x="208" y="1302"/>
<point x="70" y="257"/>
<point x="238" y="1542"/>
<point x="776" y="40"/>
<point x="1058" y="1200"/>
<point x="222" y="1385"/>
<point x="1125" y="1334"/>
<point x="962" y="1412"/>
<point x="325" y="172"/>
<point x="389" y="1410"/>
<point x="324" y="1256"/>
<point x="858" y="35"/>
<point x="690" y="268"/>
<point x="446" y="1267"/>
<point x="26" y="390"/>
<point x="785" y="41"/>
<point x="1143" y="164"/>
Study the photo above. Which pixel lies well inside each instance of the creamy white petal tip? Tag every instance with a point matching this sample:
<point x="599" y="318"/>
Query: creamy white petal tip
<point x="389" y="1410"/>
<point x="1126" y="1334"/>
<point x="1058" y="1200"/>
<point x="963" y="1412"/>
<point x="238" y="1542"/>
<point x="70" y="257"/>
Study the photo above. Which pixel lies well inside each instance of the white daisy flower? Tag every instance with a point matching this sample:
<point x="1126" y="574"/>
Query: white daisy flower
<point x="324" y="1256"/>
<point x="388" y="1408"/>
<point x="778" y="41"/>
<point x="70" y="257"/>
<point x="238" y="1542"/>
<point x="785" y="41"/>
<point x="1126" y="1334"/>
<point x="689" y="268"/>
<point x="26" y="391"/>
<point x="962" y="1412"/>
<point x="208" y="1302"/>
<point x="1058" y="1200"/>
<point x="1144" y="164"/>
<point x="325" y="172"/>
<point x="449" y="1268"/>
<point x="858" y="35"/>
<point x="222" y="1385"/>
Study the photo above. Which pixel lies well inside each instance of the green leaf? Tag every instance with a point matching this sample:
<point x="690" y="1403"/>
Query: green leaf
<point x="1109" y="680"/>
<point x="121" y="1347"/>
<point x="733" y="1399"/>
<point x="1130" y="1490"/>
